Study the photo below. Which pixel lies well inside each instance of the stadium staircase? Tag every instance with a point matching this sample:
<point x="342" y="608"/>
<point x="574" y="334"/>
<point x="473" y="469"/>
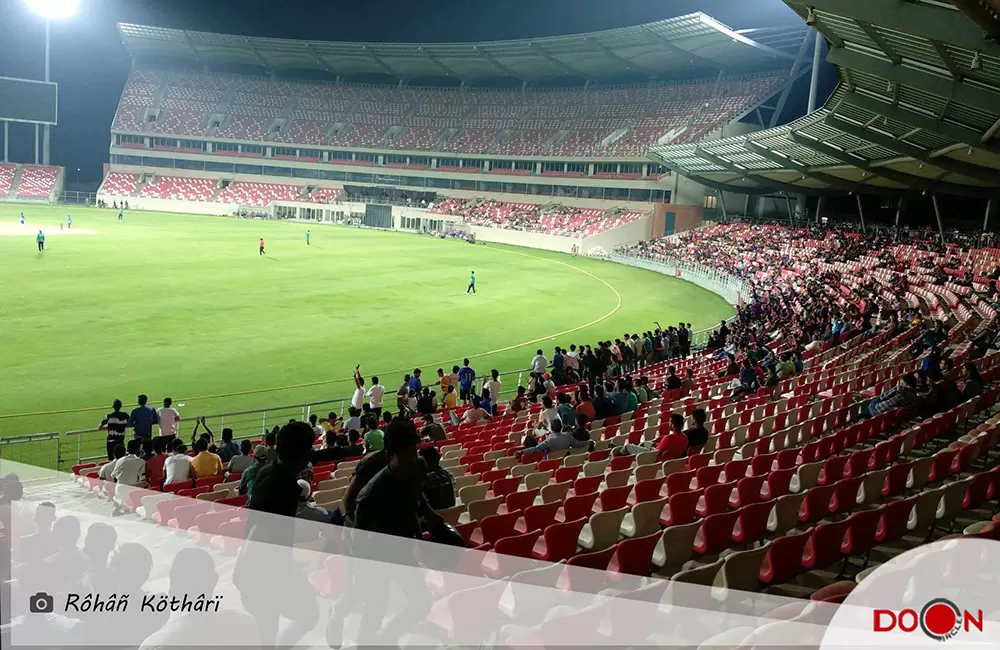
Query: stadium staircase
<point x="17" y="179"/>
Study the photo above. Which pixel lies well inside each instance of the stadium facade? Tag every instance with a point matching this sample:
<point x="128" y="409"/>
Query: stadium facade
<point x="563" y="120"/>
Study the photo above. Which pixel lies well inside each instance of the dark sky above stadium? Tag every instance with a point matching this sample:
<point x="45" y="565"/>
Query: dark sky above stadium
<point x="91" y="65"/>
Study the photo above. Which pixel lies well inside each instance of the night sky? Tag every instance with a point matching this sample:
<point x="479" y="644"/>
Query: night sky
<point x="91" y="65"/>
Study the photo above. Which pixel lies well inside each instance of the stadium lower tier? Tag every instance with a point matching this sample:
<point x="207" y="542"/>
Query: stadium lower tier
<point x="837" y="433"/>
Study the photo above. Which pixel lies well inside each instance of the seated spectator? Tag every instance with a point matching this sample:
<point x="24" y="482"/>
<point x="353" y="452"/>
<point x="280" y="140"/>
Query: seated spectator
<point x="130" y="469"/>
<point x="581" y="431"/>
<point x="732" y="368"/>
<point x="475" y="414"/>
<point x="331" y="451"/>
<point x="520" y="402"/>
<point x="902" y="395"/>
<point x="972" y="386"/>
<point x="772" y="378"/>
<point x="697" y="433"/>
<point x="388" y="503"/>
<point x="558" y="440"/>
<point x="250" y="473"/>
<point x="673" y="381"/>
<point x="432" y="430"/>
<point x="548" y="415"/>
<point x="178" y="466"/>
<point x="584" y="404"/>
<point x="932" y="360"/>
<point x="438" y="484"/>
<point x="146" y="448"/>
<point x="641" y="390"/>
<point x="661" y="444"/>
<point x="450" y="398"/>
<point x="307" y="510"/>
<point x="353" y="420"/>
<point x="117" y="452"/>
<point x="154" y="466"/>
<point x="485" y="401"/>
<point x="313" y="422"/>
<point x="426" y="404"/>
<point x="688" y="382"/>
<point x="205" y="463"/>
<point x="354" y="448"/>
<point x="270" y="441"/>
<point x="565" y="410"/>
<point x="331" y="423"/>
<point x="373" y="435"/>
<point x="243" y="460"/>
<point x="228" y="449"/>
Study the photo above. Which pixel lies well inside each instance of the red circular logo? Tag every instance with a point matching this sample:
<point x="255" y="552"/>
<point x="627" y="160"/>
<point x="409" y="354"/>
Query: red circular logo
<point x="939" y="619"/>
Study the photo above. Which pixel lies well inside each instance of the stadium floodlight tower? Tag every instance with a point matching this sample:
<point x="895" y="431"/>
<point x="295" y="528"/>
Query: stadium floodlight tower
<point x="49" y="10"/>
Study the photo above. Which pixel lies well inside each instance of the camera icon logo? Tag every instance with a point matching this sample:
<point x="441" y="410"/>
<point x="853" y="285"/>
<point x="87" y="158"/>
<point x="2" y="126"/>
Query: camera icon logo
<point x="41" y="603"/>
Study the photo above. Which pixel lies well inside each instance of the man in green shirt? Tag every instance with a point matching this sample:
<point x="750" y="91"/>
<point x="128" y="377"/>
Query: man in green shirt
<point x="373" y="436"/>
<point x="41" y="241"/>
<point x="250" y="474"/>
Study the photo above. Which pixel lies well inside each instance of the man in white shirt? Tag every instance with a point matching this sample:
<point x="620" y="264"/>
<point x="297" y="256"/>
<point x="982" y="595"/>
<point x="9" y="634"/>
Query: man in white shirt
<point x="494" y="384"/>
<point x="374" y="395"/>
<point x="130" y="469"/>
<point x="359" y="389"/>
<point x="539" y="363"/>
<point x="178" y="467"/>
<point x="118" y="452"/>
<point x="168" y="417"/>
<point x="572" y="358"/>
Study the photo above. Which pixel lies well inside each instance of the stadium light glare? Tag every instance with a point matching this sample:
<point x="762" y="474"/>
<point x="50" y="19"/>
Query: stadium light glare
<point x="53" y="9"/>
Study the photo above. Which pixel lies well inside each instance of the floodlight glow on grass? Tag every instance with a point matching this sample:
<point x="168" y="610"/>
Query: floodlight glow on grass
<point x="53" y="9"/>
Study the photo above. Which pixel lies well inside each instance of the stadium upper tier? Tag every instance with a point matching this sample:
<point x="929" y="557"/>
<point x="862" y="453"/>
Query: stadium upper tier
<point x="620" y="122"/>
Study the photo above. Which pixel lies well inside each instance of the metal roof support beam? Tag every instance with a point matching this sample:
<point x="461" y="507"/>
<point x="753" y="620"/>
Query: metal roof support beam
<point x="190" y="44"/>
<point x="559" y="64"/>
<point x="861" y="213"/>
<point x="509" y="72"/>
<point x="792" y="77"/>
<point x="911" y="151"/>
<point x="785" y="161"/>
<point x="437" y="63"/>
<point x="722" y="187"/>
<point x="978" y="96"/>
<point x="991" y="132"/>
<point x="888" y="174"/>
<point x="951" y="130"/>
<point x="629" y="64"/>
<point x="380" y="63"/>
<point x="324" y="64"/>
<point x="253" y="48"/>
<point x="882" y="44"/>
<point x="691" y="57"/>
<point x="956" y="72"/>
<point x="937" y="213"/>
<point x="923" y="20"/>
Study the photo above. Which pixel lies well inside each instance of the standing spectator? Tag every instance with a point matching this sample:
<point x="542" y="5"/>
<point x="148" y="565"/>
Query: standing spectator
<point x="439" y="484"/>
<point x="168" y="418"/>
<point x="155" y="465"/>
<point x="486" y="403"/>
<point x="558" y="366"/>
<point x="115" y="423"/>
<point x="466" y="377"/>
<point x="130" y="469"/>
<point x="415" y="384"/>
<point x="402" y="393"/>
<point x="426" y="403"/>
<point x="178" y="466"/>
<point x="229" y="449"/>
<point x="387" y="503"/>
<point x="205" y="463"/>
<point x="443" y="382"/>
<point x="453" y="380"/>
<point x="243" y="460"/>
<point x="358" y="399"/>
<point x="684" y="340"/>
<point x="142" y="418"/>
<point x="493" y="384"/>
<point x="539" y="363"/>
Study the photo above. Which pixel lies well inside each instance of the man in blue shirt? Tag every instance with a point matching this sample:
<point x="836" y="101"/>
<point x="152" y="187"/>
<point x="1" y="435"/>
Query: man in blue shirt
<point x="142" y="418"/>
<point x="415" y="384"/>
<point x="466" y="376"/>
<point x="558" y="366"/>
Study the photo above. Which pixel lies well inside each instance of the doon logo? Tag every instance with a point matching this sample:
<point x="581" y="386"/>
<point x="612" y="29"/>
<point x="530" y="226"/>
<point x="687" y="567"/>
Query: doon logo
<point x="940" y="619"/>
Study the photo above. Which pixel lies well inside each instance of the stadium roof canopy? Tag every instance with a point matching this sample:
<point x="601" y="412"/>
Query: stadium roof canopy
<point x="917" y="109"/>
<point x="654" y="50"/>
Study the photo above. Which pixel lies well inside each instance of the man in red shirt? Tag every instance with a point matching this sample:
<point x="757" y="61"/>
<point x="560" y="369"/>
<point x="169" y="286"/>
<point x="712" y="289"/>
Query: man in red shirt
<point x="585" y="406"/>
<point x="154" y="466"/>
<point x="262" y="246"/>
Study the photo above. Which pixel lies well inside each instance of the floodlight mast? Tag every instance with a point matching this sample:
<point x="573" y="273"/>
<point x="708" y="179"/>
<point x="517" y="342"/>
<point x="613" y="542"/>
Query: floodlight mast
<point x="49" y="10"/>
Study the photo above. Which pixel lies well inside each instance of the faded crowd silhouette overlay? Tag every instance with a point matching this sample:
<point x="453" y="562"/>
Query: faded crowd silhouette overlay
<point x="283" y="582"/>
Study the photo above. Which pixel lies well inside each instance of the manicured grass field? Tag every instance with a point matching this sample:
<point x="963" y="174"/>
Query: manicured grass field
<point x="184" y="306"/>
